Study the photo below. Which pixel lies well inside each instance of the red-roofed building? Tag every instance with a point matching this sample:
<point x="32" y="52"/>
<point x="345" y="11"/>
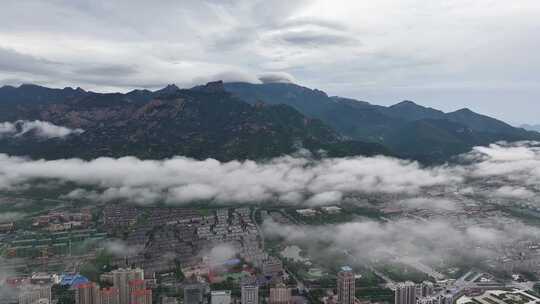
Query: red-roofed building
<point x="141" y="296"/>
<point x="109" y="296"/>
<point x="86" y="293"/>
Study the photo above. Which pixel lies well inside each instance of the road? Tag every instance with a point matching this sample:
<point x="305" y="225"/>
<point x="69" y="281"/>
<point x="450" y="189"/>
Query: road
<point x="259" y="229"/>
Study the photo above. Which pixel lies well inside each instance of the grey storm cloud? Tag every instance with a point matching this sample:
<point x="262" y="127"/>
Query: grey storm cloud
<point x="276" y="77"/>
<point x="111" y="70"/>
<point x="14" y="61"/>
<point x="441" y="54"/>
<point x="315" y="38"/>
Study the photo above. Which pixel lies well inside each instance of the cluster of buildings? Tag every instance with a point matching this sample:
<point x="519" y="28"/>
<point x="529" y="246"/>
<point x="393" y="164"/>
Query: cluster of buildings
<point x="515" y="255"/>
<point x="34" y="294"/>
<point x="51" y="243"/>
<point x="118" y="217"/>
<point x="199" y="293"/>
<point x="167" y="237"/>
<point x="127" y="286"/>
<point x="498" y="296"/>
<point x="7" y="227"/>
<point x="161" y="241"/>
<point x="521" y="256"/>
<point x="36" y="288"/>
<point x="423" y="293"/>
<point x="61" y="221"/>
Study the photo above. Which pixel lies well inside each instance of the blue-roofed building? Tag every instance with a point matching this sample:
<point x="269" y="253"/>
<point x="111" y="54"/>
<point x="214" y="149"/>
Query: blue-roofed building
<point x="232" y="262"/>
<point x="73" y="280"/>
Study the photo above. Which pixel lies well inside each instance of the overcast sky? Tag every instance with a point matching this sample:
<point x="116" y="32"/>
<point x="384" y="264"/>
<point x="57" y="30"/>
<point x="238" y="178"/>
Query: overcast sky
<point x="481" y="54"/>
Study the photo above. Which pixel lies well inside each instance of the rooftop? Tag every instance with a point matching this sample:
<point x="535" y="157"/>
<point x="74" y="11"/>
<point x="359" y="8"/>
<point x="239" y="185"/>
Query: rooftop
<point x="346" y="268"/>
<point x="73" y="280"/>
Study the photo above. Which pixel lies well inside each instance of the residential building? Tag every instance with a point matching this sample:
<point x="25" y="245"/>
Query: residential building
<point x="447" y="298"/>
<point x="280" y="294"/>
<point x="168" y="300"/>
<point x="87" y="293"/>
<point x="221" y="297"/>
<point x="272" y="266"/>
<point x="194" y="293"/>
<point x="121" y="278"/>
<point x="135" y="285"/>
<point x="345" y="286"/>
<point x="141" y="296"/>
<point x="424" y="289"/>
<point x="250" y="294"/>
<point x="405" y="293"/>
<point x="32" y="293"/>
<point x="428" y="300"/>
<point x="109" y="296"/>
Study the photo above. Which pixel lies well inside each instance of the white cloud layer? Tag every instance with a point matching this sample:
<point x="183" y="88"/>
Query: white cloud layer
<point x="289" y="179"/>
<point x="220" y="254"/>
<point x="514" y="192"/>
<point x="39" y="128"/>
<point x="119" y="248"/>
<point x="181" y="180"/>
<point x="405" y="238"/>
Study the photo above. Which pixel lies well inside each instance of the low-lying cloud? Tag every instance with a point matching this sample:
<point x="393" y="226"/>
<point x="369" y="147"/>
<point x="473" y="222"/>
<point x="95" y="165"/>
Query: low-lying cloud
<point x="369" y="240"/>
<point x="42" y="129"/>
<point x="182" y="180"/>
<point x="121" y="249"/>
<point x="10" y="216"/>
<point x="514" y="192"/>
<point x="289" y="179"/>
<point x="221" y="253"/>
<point x="276" y="77"/>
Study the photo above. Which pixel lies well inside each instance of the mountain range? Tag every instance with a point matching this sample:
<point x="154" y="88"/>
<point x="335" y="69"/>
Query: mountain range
<point x="531" y="127"/>
<point x="230" y="121"/>
<point x="408" y="129"/>
<point x="201" y="122"/>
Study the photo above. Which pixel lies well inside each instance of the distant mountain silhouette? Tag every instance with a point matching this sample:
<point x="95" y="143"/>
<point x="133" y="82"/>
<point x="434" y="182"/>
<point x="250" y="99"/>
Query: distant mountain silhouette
<point x="531" y="127"/>
<point x="202" y="122"/>
<point x="243" y="120"/>
<point x="407" y="128"/>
